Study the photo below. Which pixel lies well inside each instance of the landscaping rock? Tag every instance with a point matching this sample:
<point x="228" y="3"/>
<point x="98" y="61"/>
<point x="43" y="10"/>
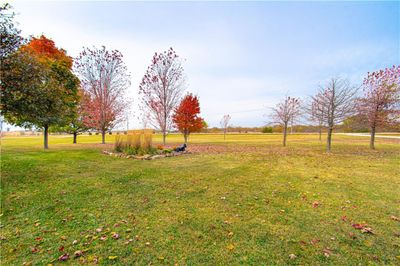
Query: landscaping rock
<point x="144" y="157"/>
<point x="157" y="156"/>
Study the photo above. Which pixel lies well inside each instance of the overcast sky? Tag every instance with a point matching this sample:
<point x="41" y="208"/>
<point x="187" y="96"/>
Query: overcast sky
<point x="240" y="58"/>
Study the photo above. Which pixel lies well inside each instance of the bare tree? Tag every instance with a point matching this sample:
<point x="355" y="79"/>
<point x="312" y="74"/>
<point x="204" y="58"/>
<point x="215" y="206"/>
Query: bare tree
<point x="381" y="100"/>
<point x="336" y="102"/>
<point x="315" y="112"/>
<point x="286" y="112"/>
<point x="105" y="77"/>
<point x="225" y="123"/>
<point x="161" y="89"/>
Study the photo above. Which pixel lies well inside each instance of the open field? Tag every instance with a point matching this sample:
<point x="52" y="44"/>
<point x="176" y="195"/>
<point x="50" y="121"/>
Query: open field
<point x="246" y="200"/>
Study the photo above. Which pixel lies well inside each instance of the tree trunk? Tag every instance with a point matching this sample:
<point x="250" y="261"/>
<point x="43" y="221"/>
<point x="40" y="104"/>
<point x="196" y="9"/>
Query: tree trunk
<point x="372" y="140"/>
<point x="185" y="135"/>
<point x="46" y="137"/>
<point x="320" y="133"/>
<point x="224" y="134"/>
<point x="75" y="135"/>
<point x="284" y="134"/>
<point x="103" y="137"/>
<point x="329" y="140"/>
<point x="164" y="137"/>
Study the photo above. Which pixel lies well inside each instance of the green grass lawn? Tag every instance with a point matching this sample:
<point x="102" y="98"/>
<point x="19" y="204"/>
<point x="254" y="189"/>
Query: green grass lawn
<point x="246" y="200"/>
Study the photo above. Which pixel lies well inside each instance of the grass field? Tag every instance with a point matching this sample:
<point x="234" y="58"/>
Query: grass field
<point x="246" y="200"/>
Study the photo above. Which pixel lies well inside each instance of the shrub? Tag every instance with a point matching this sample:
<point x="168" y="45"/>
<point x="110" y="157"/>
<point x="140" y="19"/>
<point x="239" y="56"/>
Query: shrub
<point x="266" y="130"/>
<point x="119" y="144"/>
<point x="135" y="143"/>
<point x="160" y="147"/>
<point x="147" y="140"/>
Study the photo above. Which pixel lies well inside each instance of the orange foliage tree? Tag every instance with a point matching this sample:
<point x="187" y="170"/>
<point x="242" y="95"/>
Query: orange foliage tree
<point x="38" y="87"/>
<point x="186" y="117"/>
<point x="47" y="51"/>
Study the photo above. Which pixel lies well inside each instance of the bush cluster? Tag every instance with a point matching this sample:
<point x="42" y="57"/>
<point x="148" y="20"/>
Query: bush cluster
<point x="135" y="143"/>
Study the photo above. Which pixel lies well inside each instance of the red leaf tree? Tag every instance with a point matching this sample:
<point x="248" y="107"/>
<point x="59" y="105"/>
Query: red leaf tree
<point x="380" y="104"/>
<point x="104" y="77"/>
<point x="161" y="89"/>
<point x="78" y="123"/>
<point x="186" y="116"/>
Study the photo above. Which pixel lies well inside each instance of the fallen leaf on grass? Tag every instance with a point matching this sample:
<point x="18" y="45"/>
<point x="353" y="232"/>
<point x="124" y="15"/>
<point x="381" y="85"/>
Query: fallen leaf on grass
<point x="230" y="234"/>
<point x="315" y="204"/>
<point x="367" y="230"/>
<point x="93" y="259"/>
<point x="98" y="230"/>
<point x="78" y="253"/>
<point x="394" y="218"/>
<point x="34" y="250"/>
<point x="230" y="247"/>
<point x="292" y="256"/>
<point x="63" y="257"/>
<point x="128" y="241"/>
<point x="115" y="235"/>
<point x="359" y="226"/>
<point x="61" y="248"/>
<point x="327" y="252"/>
<point x="112" y="257"/>
<point x="314" y="241"/>
<point x="303" y="243"/>
<point x="74" y="242"/>
<point x="103" y="238"/>
<point x="363" y="228"/>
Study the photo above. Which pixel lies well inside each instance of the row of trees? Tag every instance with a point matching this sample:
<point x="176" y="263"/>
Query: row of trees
<point x="161" y="92"/>
<point x="42" y="86"/>
<point x="338" y="100"/>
